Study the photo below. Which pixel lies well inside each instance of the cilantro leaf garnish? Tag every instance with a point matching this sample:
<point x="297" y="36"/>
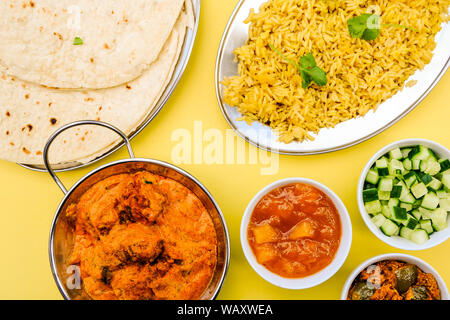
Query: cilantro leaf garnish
<point x="367" y="26"/>
<point x="77" y="41"/>
<point x="307" y="68"/>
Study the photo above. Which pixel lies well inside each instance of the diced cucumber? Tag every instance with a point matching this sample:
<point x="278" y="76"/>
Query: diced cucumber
<point x="389" y="228"/>
<point x="444" y="204"/>
<point x="442" y="194"/>
<point x="445" y="164"/>
<point x="395" y="167"/>
<point x="411" y="222"/>
<point x="387" y="212"/>
<point x="393" y="203"/>
<point x="410" y="179"/>
<point x="400" y="214"/>
<point x="396" y="154"/>
<point x="435" y="184"/>
<point x="372" y="177"/>
<point x="426" y="178"/>
<point x="384" y="195"/>
<point x="396" y="192"/>
<point x="373" y="207"/>
<point x="430" y="201"/>
<point x="419" y="153"/>
<point x="408" y="198"/>
<point x="386" y="184"/>
<point x="378" y="220"/>
<point x="439" y="219"/>
<point x="419" y="190"/>
<point x="446" y="179"/>
<point x="382" y="172"/>
<point x="427" y="226"/>
<point x="408" y="207"/>
<point x="406" y="152"/>
<point x="417" y="214"/>
<point x="426" y="214"/>
<point x="370" y="195"/>
<point x="419" y="236"/>
<point x="407" y="164"/>
<point x="416" y="164"/>
<point x="382" y="163"/>
<point x="433" y="167"/>
<point x="406" y="233"/>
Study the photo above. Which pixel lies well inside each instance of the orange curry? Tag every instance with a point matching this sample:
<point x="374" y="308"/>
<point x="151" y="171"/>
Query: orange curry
<point x="295" y="231"/>
<point x="143" y="236"/>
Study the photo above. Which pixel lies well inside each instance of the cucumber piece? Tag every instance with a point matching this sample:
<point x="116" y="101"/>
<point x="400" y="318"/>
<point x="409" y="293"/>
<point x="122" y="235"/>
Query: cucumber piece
<point x="395" y="167"/>
<point x="387" y="212"/>
<point x="426" y="178"/>
<point x="419" y="153"/>
<point x="419" y="236"/>
<point x="444" y="204"/>
<point x="393" y="203"/>
<point x="435" y="184"/>
<point x="400" y="214"/>
<point x="446" y="179"/>
<point x="419" y="190"/>
<point x="370" y="195"/>
<point x="439" y="219"/>
<point x="373" y="207"/>
<point x="407" y="164"/>
<point x="378" y="220"/>
<point x="416" y="214"/>
<point x="408" y="198"/>
<point x="427" y="226"/>
<point x="411" y="179"/>
<point x="406" y="233"/>
<point x="384" y="195"/>
<point x="389" y="228"/>
<point x="411" y="222"/>
<point x="426" y="214"/>
<point x="372" y="177"/>
<point x="396" y="154"/>
<point x="381" y="163"/>
<point x="416" y="164"/>
<point x="433" y="168"/>
<point x="430" y="201"/>
<point x="396" y="192"/>
<point x="382" y="172"/>
<point x="442" y="194"/>
<point x="445" y="164"/>
<point x="386" y="184"/>
<point x="408" y="207"/>
<point x="406" y="152"/>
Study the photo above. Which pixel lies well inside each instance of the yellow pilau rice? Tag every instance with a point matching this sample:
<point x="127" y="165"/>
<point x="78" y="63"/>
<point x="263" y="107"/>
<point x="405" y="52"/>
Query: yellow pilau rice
<point x="361" y="74"/>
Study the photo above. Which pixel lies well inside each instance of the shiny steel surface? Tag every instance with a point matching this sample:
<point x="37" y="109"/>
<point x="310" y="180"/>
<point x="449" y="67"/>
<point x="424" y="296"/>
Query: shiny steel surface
<point x="344" y="135"/>
<point x="61" y="235"/>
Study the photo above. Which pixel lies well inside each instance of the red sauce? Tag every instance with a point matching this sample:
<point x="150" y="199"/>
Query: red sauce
<point x="295" y="231"/>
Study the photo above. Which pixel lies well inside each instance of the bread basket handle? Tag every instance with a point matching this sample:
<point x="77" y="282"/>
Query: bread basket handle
<point x="77" y="124"/>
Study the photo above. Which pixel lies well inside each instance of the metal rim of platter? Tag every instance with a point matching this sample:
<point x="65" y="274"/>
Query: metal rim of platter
<point x="180" y="67"/>
<point x="219" y="75"/>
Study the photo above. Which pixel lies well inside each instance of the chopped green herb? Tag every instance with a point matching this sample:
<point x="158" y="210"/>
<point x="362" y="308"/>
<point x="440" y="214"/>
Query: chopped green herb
<point x="77" y="41"/>
<point x="367" y="26"/>
<point x="307" y="68"/>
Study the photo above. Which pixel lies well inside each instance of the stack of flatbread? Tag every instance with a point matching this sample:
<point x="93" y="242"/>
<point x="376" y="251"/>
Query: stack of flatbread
<point x="69" y="60"/>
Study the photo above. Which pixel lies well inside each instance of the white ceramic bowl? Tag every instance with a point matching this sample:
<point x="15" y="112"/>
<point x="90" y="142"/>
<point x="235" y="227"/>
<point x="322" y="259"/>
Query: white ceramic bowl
<point x="321" y="276"/>
<point x="398" y="242"/>
<point x="425" y="267"/>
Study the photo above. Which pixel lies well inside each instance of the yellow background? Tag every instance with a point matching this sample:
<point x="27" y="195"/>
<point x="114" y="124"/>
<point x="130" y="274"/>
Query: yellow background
<point x="28" y="200"/>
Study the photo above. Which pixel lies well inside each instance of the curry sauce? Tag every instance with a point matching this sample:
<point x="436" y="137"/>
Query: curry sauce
<point x="143" y="236"/>
<point x="295" y="231"/>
